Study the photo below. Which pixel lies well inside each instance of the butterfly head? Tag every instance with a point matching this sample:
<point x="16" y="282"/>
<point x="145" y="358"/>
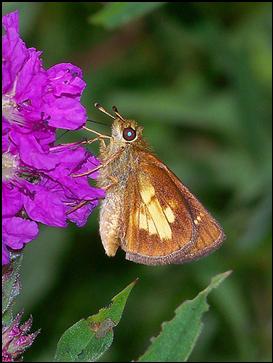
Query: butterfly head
<point x="126" y="131"/>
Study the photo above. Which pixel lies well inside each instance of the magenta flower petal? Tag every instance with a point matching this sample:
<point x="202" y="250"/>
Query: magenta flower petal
<point x="66" y="113"/>
<point x="66" y="79"/>
<point x="14" y="51"/>
<point x="62" y="99"/>
<point x="18" y="231"/>
<point x="31" y="79"/>
<point x="11" y="22"/>
<point x="31" y="152"/>
<point x="5" y="143"/>
<point x="12" y="201"/>
<point x="46" y="136"/>
<point x="5" y="135"/>
<point x="45" y="206"/>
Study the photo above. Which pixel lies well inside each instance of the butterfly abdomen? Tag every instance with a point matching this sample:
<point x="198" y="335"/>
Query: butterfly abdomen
<point x="113" y="178"/>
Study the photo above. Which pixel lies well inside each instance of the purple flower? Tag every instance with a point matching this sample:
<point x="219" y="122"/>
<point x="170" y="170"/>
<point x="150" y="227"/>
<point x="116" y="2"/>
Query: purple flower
<point x="38" y="183"/>
<point x="16" y="339"/>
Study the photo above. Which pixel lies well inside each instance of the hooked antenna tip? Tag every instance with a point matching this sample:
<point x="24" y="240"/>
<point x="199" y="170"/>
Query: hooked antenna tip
<point x="102" y="109"/>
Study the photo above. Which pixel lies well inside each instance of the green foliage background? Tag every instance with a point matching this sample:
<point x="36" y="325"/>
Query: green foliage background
<point x="198" y="77"/>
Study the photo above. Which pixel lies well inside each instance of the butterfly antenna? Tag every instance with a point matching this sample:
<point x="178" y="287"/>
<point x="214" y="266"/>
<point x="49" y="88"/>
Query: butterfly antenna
<point x="114" y="108"/>
<point x="100" y="108"/>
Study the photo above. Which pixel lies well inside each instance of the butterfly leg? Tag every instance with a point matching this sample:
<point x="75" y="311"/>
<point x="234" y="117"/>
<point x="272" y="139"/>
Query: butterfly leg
<point x="100" y="137"/>
<point x="79" y="205"/>
<point x="102" y="142"/>
<point x="89" y="142"/>
<point x="88" y="172"/>
<point x="108" y="161"/>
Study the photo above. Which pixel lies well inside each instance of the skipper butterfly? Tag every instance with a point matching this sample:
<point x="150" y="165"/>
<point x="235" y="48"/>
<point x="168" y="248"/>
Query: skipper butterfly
<point x="147" y="210"/>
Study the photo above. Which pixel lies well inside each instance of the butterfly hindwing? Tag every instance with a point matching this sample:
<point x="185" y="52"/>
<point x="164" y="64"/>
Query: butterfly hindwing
<point x="209" y="233"/>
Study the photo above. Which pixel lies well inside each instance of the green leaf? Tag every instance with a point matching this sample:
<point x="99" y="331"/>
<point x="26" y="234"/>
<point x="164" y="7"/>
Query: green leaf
<point x="89" y="338"/>
<point x="117" y="14"/>
<point x="10" y="286"/>
<point x="178" y="336"/>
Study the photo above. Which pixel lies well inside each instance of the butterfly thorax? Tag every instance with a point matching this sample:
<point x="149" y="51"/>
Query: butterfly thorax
<point x="119" y="168"/>
<point x="120" y="159"/>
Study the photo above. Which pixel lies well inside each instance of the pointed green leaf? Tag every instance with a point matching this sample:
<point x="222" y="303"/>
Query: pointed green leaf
<point x="116" y="14"/>
<point x="89" y="338"/>
<point x="178" y="336"/>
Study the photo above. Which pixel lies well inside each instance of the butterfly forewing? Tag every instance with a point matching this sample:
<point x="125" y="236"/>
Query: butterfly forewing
<point x="162" y="221"/>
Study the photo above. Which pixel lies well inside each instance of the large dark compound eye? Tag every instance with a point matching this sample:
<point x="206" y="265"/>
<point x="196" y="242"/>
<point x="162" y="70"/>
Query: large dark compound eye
<point x="129" y="134"/>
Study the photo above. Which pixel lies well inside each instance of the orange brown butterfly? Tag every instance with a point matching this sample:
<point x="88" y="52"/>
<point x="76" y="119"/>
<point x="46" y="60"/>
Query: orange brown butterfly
<point x="147" y="210"/>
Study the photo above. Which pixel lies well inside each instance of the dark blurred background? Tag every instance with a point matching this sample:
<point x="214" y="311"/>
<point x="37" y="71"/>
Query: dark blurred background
<point x="198" y="77"/>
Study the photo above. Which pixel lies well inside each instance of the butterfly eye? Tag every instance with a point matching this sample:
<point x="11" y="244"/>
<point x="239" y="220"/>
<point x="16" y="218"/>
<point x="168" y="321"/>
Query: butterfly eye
<point x="129" y="134"/>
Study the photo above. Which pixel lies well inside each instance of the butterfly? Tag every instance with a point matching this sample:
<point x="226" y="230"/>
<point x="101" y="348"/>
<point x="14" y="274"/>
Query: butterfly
<point x="147" y="210"/>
